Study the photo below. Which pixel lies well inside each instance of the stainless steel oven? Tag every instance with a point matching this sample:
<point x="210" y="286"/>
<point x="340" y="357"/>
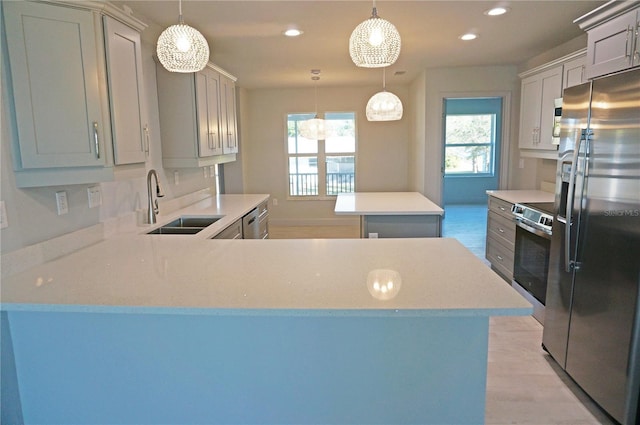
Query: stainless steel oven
<point x="531" y="256"/>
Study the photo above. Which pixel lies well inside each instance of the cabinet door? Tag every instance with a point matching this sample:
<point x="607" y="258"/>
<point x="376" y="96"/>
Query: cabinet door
<point x="207" y="99"/>
<point x="54" y="68"/>
<point x="228" y="108"/>
<point x="530" y="105"/>
<point x="610" y="45"/>
<point x="124" y="73"/>
<point x="551" y="89"/>
<point x="574" y="72"/>
<point x="213" y="111"/>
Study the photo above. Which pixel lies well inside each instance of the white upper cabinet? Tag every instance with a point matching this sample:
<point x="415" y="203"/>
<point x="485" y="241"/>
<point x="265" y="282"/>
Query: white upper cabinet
<point x="208" y="109"/>
<point x="54" y="68"/>
<point x="228" y="108"/>
<point x="538" y="92"/>
<point x="197" y="117"/>
<point x="540" y="87"/>
<point x="65" y="131"/>
<point x="124" y="71"/>
<point x="613" y="38"/>
<point x="574" y="72"/>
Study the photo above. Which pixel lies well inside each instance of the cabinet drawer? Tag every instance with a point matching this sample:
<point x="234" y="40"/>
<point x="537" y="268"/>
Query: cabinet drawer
<point x="501" y="228"/>
<point x="500" y="206"/>
<point x="500" y="257"/>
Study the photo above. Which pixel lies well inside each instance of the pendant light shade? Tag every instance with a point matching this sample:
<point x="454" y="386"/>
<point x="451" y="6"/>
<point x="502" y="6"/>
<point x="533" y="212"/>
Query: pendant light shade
<point x="313" y="129"/>
<point x="182" y="48"/>
<point x="384" y="106"/>
<point x="375" y="43"/>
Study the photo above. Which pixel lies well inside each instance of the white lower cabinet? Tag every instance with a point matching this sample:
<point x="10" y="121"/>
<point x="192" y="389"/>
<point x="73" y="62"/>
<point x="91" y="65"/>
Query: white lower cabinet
<point x="64" y="132"/>
<point x="232" y="232"/>
<point x="501" y="237"/>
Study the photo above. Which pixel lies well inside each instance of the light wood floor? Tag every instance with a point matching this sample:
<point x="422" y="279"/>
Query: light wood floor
<point x="524" y="385"/>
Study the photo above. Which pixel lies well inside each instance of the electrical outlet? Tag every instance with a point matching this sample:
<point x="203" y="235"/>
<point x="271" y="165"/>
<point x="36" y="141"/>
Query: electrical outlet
<point x="373" y="236"/>
<point x="275" y="202"/>
<point x="61" y="202"/>
<point x="95" y="196"/>
<point x="4" y="221"/>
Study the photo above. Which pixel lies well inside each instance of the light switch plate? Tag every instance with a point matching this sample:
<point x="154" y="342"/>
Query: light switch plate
<point x="4" y="221"/>
<point x="61" y="202"/>
<point x="95" y="196"/>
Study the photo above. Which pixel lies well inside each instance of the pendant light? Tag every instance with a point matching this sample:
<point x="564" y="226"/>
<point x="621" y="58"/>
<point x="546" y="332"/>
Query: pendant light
<point x="375" y="43"/>
<point x="384" y="106"/>
<point x="182" y="48"/>
<point x="314" y="128"/>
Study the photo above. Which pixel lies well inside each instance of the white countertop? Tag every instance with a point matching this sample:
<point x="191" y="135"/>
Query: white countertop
<point x="229" y="207"/>
<point x="187" y="275"/>
<point x="519" y="196"/>
<point x="385" y="203"/>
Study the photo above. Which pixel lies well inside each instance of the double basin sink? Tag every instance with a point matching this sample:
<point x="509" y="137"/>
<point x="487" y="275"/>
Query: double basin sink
<point x="185" y="225"/>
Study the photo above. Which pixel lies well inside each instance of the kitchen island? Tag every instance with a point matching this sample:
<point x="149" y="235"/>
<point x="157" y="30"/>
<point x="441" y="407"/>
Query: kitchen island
<point x="176" y="329"/>
<point x="392" y="214"/>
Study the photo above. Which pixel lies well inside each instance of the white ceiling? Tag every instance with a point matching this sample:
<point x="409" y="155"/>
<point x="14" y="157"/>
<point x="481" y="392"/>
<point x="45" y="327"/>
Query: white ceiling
<point x="246" y="38"/>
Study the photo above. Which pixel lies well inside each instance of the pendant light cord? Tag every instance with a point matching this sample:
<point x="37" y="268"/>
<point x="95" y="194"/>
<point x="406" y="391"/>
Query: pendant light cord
<point x="180" y="12"/>
<point x="384" y="79"/>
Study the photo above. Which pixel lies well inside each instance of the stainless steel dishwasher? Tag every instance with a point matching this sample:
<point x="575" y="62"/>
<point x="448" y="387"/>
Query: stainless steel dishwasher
<point x="251" y="225"/>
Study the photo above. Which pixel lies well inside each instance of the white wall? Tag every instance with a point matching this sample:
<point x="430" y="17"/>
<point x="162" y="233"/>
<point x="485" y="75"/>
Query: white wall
<point x="426" y="138"/>
<point x="382" y="147"/>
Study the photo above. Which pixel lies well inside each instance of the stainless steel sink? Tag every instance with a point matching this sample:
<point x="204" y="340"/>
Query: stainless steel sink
<point x="175" y="231"/>
<point x="185" y="225"/>
<point x="192" y="221"/>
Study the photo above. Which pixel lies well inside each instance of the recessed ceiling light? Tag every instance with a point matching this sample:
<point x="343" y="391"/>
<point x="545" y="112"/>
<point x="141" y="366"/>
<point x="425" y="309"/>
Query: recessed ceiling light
<point x="496" y="11"/>
<point x="293" y="32"/>
<point x="468" y="37"/>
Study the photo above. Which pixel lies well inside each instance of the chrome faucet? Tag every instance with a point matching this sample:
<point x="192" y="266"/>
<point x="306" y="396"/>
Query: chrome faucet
<point x="153" y="205"/>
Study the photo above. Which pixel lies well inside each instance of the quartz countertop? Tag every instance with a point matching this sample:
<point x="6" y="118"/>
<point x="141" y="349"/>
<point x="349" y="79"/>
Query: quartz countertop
<point x="520" y="196"/>
<point x="187" y="275"/>
<point x="229" y="207"/>
<point x="385" y="203"/>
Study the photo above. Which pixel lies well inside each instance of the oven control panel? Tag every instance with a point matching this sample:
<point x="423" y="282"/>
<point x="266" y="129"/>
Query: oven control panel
<point x="533" y="217"/>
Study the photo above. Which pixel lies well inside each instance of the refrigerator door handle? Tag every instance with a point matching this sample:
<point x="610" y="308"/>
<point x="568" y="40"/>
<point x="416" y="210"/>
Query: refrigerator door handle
<point x="568" y="264"/>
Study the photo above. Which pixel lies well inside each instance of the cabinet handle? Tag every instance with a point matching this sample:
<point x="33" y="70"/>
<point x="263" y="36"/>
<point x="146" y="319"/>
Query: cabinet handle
<point x="503" y="208"/>
<point x="146" y="139"/>
<point x="96" y="141"/>
<point x="627" y="51"/>
<point x="500" y="229"/>
<point x="500" y="258"/>
<point x="636" y="53"/>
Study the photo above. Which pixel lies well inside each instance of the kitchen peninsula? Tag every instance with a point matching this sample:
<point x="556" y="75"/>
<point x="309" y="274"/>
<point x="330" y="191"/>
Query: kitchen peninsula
<point x="392" y="214"/>
<point x="179" y="329"/>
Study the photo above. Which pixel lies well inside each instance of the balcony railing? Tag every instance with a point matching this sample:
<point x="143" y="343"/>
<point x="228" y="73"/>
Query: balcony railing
<point x="306" y="184"/>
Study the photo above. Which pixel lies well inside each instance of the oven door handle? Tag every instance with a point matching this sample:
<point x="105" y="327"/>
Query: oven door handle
<point x="533" y="230"/>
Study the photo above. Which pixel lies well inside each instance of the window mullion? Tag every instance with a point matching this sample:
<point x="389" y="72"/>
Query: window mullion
<point x="322" y="169"/>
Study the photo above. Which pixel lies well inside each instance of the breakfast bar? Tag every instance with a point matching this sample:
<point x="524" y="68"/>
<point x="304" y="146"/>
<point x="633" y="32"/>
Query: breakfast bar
<point x="392" y="214"/>
<point x="176" y="329"/>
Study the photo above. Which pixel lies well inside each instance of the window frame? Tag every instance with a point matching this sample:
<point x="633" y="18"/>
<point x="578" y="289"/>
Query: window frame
<point x="321" y="156"/>
<point x="491" y="145"/>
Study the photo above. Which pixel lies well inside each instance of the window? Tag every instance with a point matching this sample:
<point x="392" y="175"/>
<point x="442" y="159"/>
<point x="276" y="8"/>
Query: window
<point x="469" y="144"/>
<point x="321" y="168"/>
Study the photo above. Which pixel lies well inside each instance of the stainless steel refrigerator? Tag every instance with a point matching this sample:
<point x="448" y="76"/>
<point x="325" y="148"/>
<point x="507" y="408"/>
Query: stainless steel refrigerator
<point x="592" y="320"/>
